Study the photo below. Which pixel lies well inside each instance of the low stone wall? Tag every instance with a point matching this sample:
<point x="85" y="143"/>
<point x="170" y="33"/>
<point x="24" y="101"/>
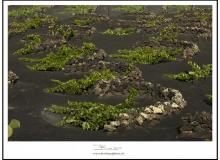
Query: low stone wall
<point x="197" y="126"/>
<point x="150" y="113"/>
<point x="98" y="60"/>
<point x="12" y="78"/>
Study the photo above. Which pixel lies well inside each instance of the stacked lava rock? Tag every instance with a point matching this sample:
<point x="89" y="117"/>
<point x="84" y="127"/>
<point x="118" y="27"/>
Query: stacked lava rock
<point x="197" y="126"/>
<point x="150" y="113"/>
<point x="12" y="78"/>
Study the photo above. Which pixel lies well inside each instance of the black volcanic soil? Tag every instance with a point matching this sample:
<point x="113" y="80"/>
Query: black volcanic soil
<point x="26" y="98"/>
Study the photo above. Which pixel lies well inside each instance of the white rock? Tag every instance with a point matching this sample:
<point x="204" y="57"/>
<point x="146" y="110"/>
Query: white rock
<point x="178" y="100"/>
<point x="174" y="105"/>
<point x="124" y="123"/>
<point x="148" y="110"/>
<point x="166" y="103"/>
<point x="106" y="81"/>
<point x="149" y="84"/>
<point x="109" y="128"/>
<point x="161" y="106"/>
<point x="195" y="48"/>
<point x="174" y="91"/>
<point x="115" y="123"/>
<point x="157" y="110"/>
<point x="124" y="115"/>
<point x="144" y="115"/>
<point x="158" y="102"/>
<point x="178" y="95"/>
<point x="165" y="91"/>
<point x="140" y="120"/>
<point x="101" y="95"/>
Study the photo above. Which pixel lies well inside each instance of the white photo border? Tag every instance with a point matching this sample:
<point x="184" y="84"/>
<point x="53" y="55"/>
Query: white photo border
<point x="127" y="149"/>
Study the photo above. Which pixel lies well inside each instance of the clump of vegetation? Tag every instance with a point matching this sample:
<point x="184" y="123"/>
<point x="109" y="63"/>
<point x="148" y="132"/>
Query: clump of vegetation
<point x="155" y="21"/>
<point x="26" y="11"/>
<point x="14" y="123"/>
<point x="196" y="73"/>
<point x="199" y="14"/>
<point x="62" y="30"/>
<point x="56" y="61"/>
<point x="177" y="8"/>
<point x="91" y="115"/>
<point x="82" y="85"/>
<point x="208" y="99"/>
<point x="33" y="41"/>
<point x="148" y="55"/>
<point x="129" y="9"/>
<point x="119" y="31"/>
<point x="169" y="33"/>
<point x="203" y="15"/>
<point x="151" y="23"/>
<point x="30" y="23"/>
<point x="81" y="9"/>
<point x="83" y="22"/>
<point x="19" y="27"/>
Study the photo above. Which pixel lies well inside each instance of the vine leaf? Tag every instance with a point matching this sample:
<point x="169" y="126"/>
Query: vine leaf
<point x="10" y="131"/>
<point x="15" y="123"/>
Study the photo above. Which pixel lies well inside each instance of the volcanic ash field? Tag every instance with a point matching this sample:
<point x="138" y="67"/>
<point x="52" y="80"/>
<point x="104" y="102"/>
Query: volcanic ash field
<point x="110" y="73"/>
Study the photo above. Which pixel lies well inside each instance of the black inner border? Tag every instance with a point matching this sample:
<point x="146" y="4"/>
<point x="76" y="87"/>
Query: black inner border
<point x="97" y="1"/>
